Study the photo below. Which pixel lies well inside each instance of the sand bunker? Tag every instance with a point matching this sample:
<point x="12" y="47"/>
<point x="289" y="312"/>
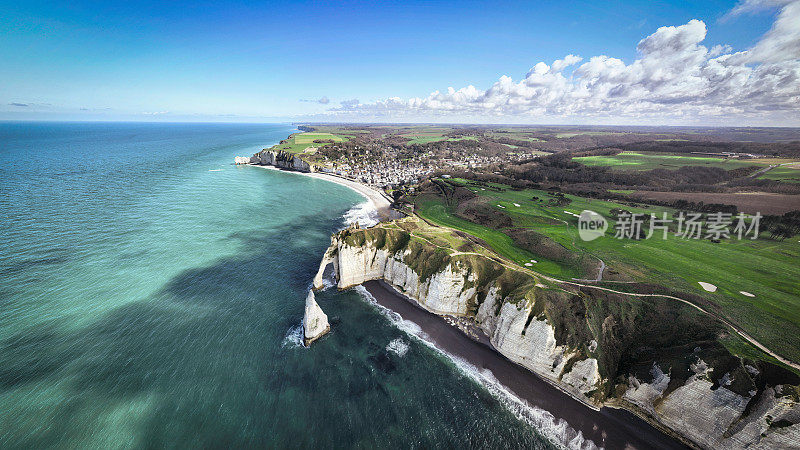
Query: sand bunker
<point x="501" y="206"/>
<point x="747" y="294"/>
<point x="707" y="286"/>
<point x="517" y="205"/>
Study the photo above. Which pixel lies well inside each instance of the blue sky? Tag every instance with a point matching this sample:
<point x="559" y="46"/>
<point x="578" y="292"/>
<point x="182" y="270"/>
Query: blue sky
<point x="254" y="61"/>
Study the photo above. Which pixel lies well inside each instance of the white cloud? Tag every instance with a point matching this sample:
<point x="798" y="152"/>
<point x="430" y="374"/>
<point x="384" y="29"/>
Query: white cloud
<point x="675" y="77"/>
<point x="782" y="41"/>
<point x="751" y="6"/>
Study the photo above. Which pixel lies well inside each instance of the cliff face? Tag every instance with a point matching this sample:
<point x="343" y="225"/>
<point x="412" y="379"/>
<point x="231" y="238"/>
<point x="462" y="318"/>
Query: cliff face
<point x="283" y="160"/>
<point x="450" y="286"/>
<point x="717" y="417"/>
<point x="598" y="348"/>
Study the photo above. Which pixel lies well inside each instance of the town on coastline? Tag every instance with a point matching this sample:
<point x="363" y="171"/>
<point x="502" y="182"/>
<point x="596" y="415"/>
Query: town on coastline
<point x="385" y="163"/>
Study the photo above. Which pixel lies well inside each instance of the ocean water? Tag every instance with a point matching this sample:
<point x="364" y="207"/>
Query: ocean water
<point x="151" y="295"/>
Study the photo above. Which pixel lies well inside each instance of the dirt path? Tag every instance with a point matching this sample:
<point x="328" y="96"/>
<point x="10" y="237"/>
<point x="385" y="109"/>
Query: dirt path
<point x="767" y="169"/>
<point x="764" y="170"/>
<point x="599" y="272"/>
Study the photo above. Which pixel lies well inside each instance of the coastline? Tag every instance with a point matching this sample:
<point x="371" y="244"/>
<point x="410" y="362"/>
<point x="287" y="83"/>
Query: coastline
<point x="381" y="203"/>
<point x="606" y="427"/>
<point x="378" y="200"/>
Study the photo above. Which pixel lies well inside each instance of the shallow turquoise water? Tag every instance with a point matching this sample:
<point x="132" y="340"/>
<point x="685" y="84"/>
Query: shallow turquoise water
<point x="151" y="293"/>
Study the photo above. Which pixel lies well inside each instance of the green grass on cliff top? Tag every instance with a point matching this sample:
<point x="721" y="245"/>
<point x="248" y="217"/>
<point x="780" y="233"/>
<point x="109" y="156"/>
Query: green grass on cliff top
<point x="766" y="268"/>
<point x="299" y="142"/>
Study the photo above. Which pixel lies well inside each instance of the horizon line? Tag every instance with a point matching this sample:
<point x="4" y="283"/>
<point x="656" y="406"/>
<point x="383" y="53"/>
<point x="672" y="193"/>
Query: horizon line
<point x="458" y="124"/>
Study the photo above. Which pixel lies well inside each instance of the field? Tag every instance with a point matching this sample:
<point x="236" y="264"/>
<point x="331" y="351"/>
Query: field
<point x="788" y="173"/>
<point x="299" y="142"/>
<point x="647" y="161"/>
<point x="748" y="202"/>
<point x="437" y="236"/>
<point x="423" y="137"/>
<point x="768" y="269"/>
<point x="584" y="133"/>
<point x="308" y="138"/>
<point x="516" y="134"/>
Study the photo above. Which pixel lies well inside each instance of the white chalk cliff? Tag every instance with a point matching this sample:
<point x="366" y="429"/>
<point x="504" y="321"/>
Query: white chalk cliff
<point x="449" y="292"/>
<point x="283" y="160"/>
<point x="315" y="322"/>
<point x="704" y="414"/>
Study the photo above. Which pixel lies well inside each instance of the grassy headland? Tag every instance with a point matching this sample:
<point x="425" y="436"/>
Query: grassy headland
<point x="526" y="225"/>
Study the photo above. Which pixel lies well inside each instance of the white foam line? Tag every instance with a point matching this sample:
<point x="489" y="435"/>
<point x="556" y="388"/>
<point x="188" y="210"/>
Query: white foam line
<point x="559" y="432"/>
<point x="375" y="197"/>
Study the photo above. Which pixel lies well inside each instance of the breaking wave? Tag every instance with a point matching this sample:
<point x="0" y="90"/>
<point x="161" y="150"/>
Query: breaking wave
<point x="558" y="431"/>
<point x="398" y="346"/>
<point x="364" y="214"/>
<point x="294" y="337"/>
<point x="407" y="326"/>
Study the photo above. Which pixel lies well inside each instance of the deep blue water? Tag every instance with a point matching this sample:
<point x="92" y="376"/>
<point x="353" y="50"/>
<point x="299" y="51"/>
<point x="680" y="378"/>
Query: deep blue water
<point x="151" y="295"/>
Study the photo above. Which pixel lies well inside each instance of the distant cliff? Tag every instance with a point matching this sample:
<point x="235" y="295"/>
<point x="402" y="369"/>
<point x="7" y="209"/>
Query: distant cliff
<point x="656" y="357"/>
<point x="281" y="159"/>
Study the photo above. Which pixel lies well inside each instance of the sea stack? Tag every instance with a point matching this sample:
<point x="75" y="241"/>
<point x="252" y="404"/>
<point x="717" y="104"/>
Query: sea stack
<point x="315" y="322"/>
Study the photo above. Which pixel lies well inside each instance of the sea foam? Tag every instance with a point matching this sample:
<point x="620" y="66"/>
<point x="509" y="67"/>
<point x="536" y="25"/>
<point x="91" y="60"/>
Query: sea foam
<point x="364" y="214"/>
<point x="294" y="337"/>
<point x="398" y="346"/>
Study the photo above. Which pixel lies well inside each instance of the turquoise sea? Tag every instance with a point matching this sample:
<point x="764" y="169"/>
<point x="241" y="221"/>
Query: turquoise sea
<point x="151" y="295"/>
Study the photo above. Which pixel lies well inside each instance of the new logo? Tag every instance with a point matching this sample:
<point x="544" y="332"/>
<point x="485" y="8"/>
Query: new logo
<point x="591" y="225"/>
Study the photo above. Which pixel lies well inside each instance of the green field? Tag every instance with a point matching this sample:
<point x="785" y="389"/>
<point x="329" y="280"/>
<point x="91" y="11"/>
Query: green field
<point x="308" y="138"/>
<point x="766" y="268"/>
<point x="299" y="142"/>
<point x="648" y="161"/>
<point x="512" y="134"/>
<point x="424" y="138"/>
<point x="585" y="133"/>
<point x="783" y="173"/>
